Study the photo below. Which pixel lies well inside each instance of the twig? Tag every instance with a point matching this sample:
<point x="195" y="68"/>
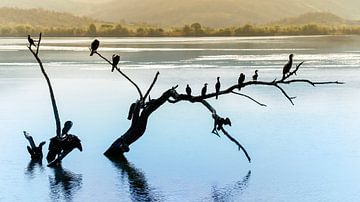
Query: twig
<point x="257" y="102"/>
<point x="152" y="85"/>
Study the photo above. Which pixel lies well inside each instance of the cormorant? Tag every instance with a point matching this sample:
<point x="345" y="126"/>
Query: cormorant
<point x="217" y="87"/>
<point x="241" y="80"/>
<point x="255" y="76"/>
<point x="188" y="90"/>
<point x="66" y="128"/>
<point x="31" y="41"/>
<point x="115" y="61"/>
<point x="94" y="46"/>
<point x="219" y="123"/>
<point x="288" y="65"/>
<point x="204" y="89"/>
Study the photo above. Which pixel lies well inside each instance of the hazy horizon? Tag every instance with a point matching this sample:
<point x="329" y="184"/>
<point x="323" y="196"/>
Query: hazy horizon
<point x="215" y="13"/>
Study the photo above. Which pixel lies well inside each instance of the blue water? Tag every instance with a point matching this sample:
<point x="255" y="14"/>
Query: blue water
<point x="306" y="152"/>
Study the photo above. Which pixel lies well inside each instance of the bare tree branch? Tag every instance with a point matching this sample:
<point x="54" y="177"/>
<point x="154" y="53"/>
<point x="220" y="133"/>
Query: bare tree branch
<point x="138" y="125"/>
<point x="52" y="96"/>
<point x="257" y="102"/>
<point x="152" y="85"/>
<point x="123" y="74"/>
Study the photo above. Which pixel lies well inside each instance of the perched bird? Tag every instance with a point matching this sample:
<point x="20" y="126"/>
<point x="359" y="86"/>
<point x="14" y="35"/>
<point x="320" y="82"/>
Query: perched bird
<point x="241" y="80"/>
<point x="255" y="76"/>
<point x="115" y="61"/>
<point x="287" y="66"/>
<point x="94" y="46"/>
<point x="217" y="87"/>
<point x="66" y="128"/>
<point x="204" y="89"/>
<point x="31" y="41"/>
<point x="188" y="90"/>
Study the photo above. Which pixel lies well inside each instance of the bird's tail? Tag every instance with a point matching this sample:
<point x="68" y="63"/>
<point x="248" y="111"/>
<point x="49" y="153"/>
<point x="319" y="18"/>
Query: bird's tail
<point x="92" y="53"/>
<point x="217" y="95"/>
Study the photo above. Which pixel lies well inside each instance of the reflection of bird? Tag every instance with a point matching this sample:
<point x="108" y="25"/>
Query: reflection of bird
<point x="288" y="65"/>
<point x="115" y="61"/>
<point x="31" y="41"/>
<point x="94" y="46"/>
<point x="217" y="87"/>
<point x="204" y="89"/>
<point x="188" y="90"/>
<point x="241" y="80"/>
<point x="255" y="76"/>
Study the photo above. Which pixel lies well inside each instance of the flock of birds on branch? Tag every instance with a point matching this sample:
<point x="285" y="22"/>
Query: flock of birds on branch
<point x="241" y="79"/>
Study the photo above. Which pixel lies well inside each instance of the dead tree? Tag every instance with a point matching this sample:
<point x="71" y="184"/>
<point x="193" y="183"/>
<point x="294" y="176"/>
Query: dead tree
<point x="63" y="143"/>
<point x="142" y="108"/>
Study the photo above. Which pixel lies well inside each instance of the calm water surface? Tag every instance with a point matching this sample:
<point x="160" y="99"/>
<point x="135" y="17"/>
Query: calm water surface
<point x="306" y="152"/>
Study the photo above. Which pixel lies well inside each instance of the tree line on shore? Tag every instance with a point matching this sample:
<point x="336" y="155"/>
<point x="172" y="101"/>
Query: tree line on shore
<point x="195" y="29"/>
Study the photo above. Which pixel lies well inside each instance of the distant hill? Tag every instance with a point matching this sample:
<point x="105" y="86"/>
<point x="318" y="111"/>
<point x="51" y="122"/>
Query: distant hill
<point x="219" y="13"/>
<point x="41" y="17"/>
<point x="321" y="18"/>
<point x="213" y="13"/>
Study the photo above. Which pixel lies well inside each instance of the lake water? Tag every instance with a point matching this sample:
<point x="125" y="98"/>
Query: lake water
<point x="306" y="152"/>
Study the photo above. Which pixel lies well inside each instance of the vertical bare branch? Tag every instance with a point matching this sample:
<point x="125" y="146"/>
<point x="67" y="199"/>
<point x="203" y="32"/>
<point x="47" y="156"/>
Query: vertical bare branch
<point x="52" y="96"/>
<point x="151" y="86"/>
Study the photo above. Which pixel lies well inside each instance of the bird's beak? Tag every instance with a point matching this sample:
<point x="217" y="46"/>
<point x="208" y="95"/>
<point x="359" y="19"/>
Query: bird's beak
<point x="80" y="147"/>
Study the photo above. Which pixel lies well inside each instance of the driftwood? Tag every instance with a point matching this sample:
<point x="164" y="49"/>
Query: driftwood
<point x="142" y="108"/>
<point x="34" y="151"/>
<point x="63" y="143"/>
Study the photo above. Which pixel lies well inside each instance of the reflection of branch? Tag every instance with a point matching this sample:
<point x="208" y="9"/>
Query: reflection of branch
<point x="123" y="74"/>
<point x="223" y="194"/>
<point x="64" y="182"/>
<point x="52" y="96"/>
<point x="140" y="189"/>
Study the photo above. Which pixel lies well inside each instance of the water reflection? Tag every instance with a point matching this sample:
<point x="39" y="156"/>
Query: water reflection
<point x="64" y="184"/>
<point x="32" y="165"/>
<point x="230" y="191"/>
<point x="139" y="188"/>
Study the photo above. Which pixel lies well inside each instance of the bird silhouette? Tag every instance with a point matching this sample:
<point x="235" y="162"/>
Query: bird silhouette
<point x="217" y="87"/>
<point x="204" y="89"/>
<point x="287" y="66"/>
<point x="241" y="80"/>
<point x="66" y="128"/>
<point x="115" y="61"/>
<point x="188" y="90"/>
<point x="255" y="76"/>
<point x="31" y="41"/>
<point x="94" y="46"/>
